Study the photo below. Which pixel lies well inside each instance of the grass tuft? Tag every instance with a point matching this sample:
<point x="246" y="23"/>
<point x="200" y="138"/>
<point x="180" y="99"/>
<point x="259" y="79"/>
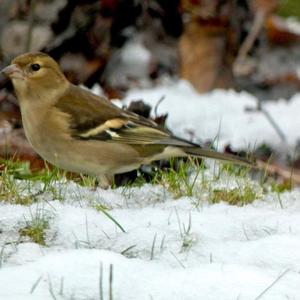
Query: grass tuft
<point x="177" y="178"/>
<point x="236" y="196"/>
<point x="15" y="192"/>
<point x="234" y="170"/>
<point x="35" y="229"/>
<point x="281" y="187"/>
<point x="103" y="209"/>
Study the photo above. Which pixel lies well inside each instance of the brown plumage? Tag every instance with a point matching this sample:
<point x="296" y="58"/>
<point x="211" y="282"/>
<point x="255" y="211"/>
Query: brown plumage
<point x="81" y="132"/>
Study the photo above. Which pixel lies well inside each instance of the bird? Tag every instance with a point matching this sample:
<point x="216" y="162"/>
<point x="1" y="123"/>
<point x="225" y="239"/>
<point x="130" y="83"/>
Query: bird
<point x="80" y="132"/>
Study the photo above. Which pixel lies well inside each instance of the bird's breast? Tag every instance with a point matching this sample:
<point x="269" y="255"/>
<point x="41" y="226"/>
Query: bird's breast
<point x="44" y="130"/>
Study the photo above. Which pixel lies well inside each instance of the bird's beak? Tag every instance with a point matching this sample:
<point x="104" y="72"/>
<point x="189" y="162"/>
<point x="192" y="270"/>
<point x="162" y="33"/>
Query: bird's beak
<point x="13" y="72"/>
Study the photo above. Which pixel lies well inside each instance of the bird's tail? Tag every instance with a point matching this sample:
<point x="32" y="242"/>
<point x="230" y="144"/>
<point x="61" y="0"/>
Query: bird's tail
<point x="204" y="152"/>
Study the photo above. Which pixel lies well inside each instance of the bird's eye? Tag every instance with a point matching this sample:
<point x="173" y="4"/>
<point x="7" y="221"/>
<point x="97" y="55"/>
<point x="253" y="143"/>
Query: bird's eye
<point x="35" y="67"/>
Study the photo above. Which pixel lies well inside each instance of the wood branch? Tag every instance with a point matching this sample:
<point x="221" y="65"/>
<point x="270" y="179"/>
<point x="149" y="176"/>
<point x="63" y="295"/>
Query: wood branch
<point x="239" y="67"/>
<point x="285" y="173"/>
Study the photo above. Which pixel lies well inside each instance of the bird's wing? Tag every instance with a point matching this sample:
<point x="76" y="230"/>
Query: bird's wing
<point x="95" y="118"/>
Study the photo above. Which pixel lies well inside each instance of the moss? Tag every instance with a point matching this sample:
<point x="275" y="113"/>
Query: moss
<point x="289" y="8"/>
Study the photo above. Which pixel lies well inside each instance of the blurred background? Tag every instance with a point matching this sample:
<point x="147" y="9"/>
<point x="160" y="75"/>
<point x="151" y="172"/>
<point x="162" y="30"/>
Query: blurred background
<point x="114" y="46"/>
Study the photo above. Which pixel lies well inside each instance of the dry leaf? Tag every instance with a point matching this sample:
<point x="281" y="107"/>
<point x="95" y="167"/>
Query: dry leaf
<point x="202" y="52"/>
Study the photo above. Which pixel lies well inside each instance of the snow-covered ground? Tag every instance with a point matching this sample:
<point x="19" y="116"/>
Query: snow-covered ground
<point x="172" y="248"/>
<point x="228" y="252"/>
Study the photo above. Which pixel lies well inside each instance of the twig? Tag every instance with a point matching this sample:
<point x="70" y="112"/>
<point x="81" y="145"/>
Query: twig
<point x="110" y="282"/>
<point x="271" y="120"/>
<point x="162" y="243"/>
<point x="181" y="264"/>
<point x="284" y="172"/>
<point x="101" y="282"/>
<point x="272" y="284"/>
<point x="128" y="249"/>
<point x="153" y="247"/>
<point x="245" y="232"/>
<point x="61" y="288"/>
<point x="36" y="283"/>
<point x="241" y="59"/>
<point x="157" y="105"/>
<point x="273" y="123"/>
<point x="51" y="288"/>
<point x="30" y="25"/>
<point x="253" y="34"/>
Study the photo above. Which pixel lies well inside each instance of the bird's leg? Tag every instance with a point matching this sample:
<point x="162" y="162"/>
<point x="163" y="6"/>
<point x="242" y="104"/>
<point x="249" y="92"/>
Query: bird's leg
<point x="105" y="181"/>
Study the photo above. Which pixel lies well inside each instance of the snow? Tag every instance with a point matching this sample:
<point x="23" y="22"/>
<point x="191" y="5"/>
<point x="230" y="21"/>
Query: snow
<point x="173" y="248"/>
<point x="229" y="252"/>
<point x="131" y="62"/>
<point x="291" y="24"/>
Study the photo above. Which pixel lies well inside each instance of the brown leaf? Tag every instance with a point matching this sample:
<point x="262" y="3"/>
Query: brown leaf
<point x="279" y="34"/>
<point x="203" y="56"/>
<point x="266" y="6"/>
<point x="14" y="145"/>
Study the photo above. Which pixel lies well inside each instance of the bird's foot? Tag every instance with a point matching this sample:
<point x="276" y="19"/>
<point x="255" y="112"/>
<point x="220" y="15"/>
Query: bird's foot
<point x="105" y="181"/>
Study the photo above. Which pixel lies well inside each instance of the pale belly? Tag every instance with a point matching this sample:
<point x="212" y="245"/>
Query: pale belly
<point x="92" y="158"/>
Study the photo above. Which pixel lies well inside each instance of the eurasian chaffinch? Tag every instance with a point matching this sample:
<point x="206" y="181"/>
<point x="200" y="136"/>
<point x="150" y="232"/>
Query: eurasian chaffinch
<point x="78" y="131"/>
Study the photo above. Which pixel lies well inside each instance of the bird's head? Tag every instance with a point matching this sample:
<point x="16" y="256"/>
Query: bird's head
<point x="35" y="74"/>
